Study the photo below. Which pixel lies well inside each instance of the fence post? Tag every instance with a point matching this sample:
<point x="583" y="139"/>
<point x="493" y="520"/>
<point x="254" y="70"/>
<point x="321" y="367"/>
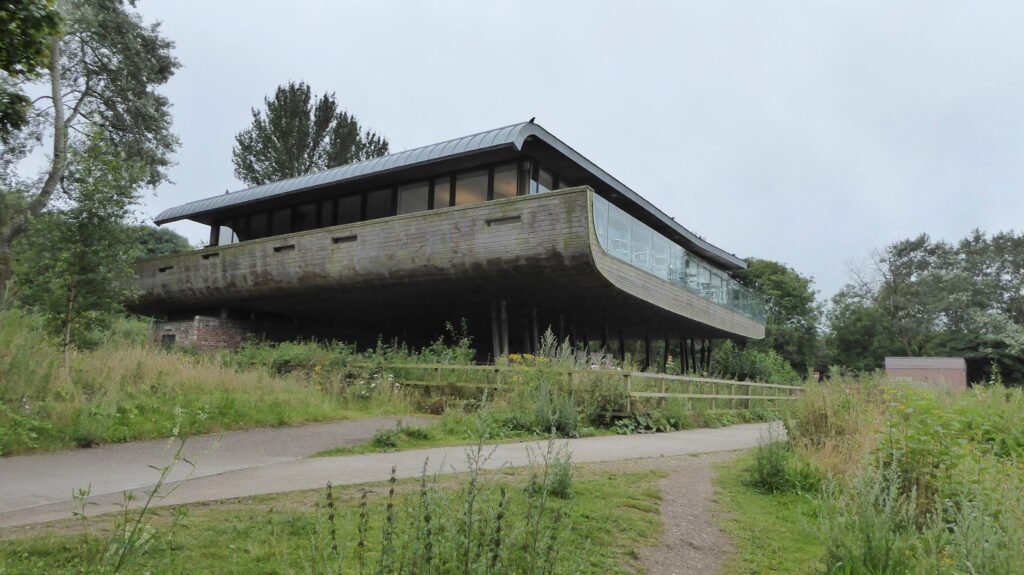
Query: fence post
<point x="629" y="395"/>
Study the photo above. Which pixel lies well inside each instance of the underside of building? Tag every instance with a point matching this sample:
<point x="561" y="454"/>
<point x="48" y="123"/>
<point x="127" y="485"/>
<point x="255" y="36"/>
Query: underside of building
<point x="509" y="231"/>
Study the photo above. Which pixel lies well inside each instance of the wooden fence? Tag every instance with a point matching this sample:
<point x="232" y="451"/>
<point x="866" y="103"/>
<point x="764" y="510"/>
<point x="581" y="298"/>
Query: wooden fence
<point x="718" y="393"/>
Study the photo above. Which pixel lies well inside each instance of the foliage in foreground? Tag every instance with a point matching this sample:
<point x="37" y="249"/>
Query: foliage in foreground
<point x="122" y="391"/>
<point x="544" y="520"/>
<point x="919" y="480"/>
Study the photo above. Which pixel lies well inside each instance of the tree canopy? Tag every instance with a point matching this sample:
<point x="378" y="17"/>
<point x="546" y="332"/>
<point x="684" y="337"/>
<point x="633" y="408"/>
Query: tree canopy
<point x="26" y="29"/>
<point x="74" y="265"/>
<point x="159" y="241"/>
<point x="102" y="72"/>
<point x="297" y="133"/>
<point x="924" y="297"/>
<point x="793" y="314"/>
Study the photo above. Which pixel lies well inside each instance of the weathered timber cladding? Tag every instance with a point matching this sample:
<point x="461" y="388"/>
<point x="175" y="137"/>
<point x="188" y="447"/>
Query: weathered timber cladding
<point x="538" y="250"/>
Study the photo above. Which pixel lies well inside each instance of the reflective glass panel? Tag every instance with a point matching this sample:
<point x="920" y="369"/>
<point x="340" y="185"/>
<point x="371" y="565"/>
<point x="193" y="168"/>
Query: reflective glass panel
<point x="442" y="192"/>
<point x="378" y="204"/>
<point x="305" y="217"/>
<point x="661" y="258"/>
<point x="282" y="221"/>
<point x="545" y="180"/>
<point x="640" y="236"/>
<point x="413" y="197"/>
<point x="349" y="208"/>
<point x="618" y="234"/>
<point x="601" y="220"/>
<point x="257" y="226"/>
<point x="505" y="183"/>
<point x="471" y="187"/>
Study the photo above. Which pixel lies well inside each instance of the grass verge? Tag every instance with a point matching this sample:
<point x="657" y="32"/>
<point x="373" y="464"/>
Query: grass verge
<point x="609" y="516"/>
<point x="774" y="533"/>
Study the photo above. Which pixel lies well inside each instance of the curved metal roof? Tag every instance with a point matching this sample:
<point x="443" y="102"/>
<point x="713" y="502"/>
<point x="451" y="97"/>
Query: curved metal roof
<point x="514" y="135"/>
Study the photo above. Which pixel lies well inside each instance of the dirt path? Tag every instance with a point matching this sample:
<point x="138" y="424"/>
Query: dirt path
<point x="691" y="542"/>
<point x="294" y="475"/>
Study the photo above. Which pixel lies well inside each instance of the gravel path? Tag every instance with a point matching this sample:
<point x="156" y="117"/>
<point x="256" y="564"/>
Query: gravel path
<point x="299" y="474"/>
<point x="691" y="542"/>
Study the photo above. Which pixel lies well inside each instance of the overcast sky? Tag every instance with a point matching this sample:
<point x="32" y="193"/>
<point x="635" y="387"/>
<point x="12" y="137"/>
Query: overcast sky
<point x="804" y="132"/>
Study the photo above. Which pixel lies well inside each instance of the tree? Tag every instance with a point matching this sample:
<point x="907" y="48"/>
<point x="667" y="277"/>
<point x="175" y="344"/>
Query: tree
<point x="922" y="297"/>
<point x="26" y="28"/>
<point x="159" y="241"/>
<point x="791" y="326"/>
<point x="102" y="73"/>
<point x="298" y="133"/>
<point x="74" y="265"/>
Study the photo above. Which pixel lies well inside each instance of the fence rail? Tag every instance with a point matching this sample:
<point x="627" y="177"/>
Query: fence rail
<point x="638" y="384"/>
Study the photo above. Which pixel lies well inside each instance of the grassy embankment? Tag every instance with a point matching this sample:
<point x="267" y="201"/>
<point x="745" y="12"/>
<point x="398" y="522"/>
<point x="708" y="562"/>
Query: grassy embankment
<point x="884" y="478"/>
<point x="546" y="519"/>
<point x="122" y="391"/>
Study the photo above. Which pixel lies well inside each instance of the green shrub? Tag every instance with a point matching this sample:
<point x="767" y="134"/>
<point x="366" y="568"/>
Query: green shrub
<point x="730" y="361"/>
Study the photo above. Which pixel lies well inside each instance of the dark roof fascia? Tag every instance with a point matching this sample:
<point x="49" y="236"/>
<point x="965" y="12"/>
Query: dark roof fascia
<point x="514" y="136"/>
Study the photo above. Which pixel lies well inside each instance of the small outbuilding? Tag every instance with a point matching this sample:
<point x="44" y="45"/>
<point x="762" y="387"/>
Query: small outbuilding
<point x="949" y="372"/>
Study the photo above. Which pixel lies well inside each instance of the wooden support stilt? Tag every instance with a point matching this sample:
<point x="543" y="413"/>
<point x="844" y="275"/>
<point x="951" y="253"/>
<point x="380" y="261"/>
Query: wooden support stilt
<point x="536" y="331"/>
<point x="708" y="369"/>
<point x="693" y="356"/>
<point x="503" y="311"/>
<point x="495" y="331"/>
<point x="664" y="355"/>
<point x="526" y="347"/>
<point x="647" y="350"/>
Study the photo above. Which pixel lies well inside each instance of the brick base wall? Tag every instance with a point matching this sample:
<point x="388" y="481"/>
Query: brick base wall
<point x="202" y="332"/>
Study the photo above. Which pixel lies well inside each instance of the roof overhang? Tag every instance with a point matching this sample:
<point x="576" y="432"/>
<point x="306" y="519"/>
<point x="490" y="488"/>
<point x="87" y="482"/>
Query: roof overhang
<point x="513" y="138"/>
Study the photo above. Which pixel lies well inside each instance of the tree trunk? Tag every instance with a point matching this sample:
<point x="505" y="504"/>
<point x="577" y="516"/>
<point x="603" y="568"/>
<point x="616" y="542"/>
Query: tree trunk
<point x="67" y="331"/>
<point x="19" y="223"/>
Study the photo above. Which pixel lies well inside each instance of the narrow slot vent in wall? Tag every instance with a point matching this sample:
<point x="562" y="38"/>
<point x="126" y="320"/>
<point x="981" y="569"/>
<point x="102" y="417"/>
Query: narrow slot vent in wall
<point x="287" y="248"/>
<point x="505" y="221"/>
<point x="211" y="255"/>
<point x="165" y="268"/>
<point x="344" y="239"/>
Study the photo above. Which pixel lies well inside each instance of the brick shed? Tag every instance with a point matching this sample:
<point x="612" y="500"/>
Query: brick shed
<point x="950" y="372"/>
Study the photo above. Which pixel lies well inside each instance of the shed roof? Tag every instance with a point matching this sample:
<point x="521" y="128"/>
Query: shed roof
<point x="515" y="135"/>
<point x="925" y="363"/>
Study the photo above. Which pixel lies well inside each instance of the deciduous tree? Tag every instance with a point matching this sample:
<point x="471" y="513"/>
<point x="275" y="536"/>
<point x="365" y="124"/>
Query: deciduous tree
<point x="74" y="264"/>
<point x="26" y="30"/>
<point x="103" y="70"/>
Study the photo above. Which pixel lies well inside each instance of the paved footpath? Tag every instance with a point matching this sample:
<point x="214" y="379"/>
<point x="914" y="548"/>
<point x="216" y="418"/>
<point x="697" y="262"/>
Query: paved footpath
<point x="38" y="488"/>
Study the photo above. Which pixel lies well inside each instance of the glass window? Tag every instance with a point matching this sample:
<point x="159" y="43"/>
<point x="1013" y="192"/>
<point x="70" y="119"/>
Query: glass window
<point x="618" y="233"/>
<point x="661" y="256"/>
<point x="327" y="213"/>
<point x="601" y="220"/>
<point x="545" y="180"/>
<point x="442" y="192"/>
<point x="471" y="187"/>
<point x="227" y="234"/>
<point x="305" y="217"/>
<point x="505" y="183"/>
<point x="529" y="184"/>
<point x="258" y="226"/>
<point x="640" y="240"/>
<point x="676" y="272"/>
<point x="378" y="204"/>
<point x="563" y="184"/>
<point x="349" y="209"/>
<point x="413" y="197"/>
<point x="282" y="221"/>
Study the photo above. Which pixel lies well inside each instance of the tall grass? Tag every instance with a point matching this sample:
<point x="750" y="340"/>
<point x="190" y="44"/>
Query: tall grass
<point x="123" y="390"/>
<point x="920" y="480"/>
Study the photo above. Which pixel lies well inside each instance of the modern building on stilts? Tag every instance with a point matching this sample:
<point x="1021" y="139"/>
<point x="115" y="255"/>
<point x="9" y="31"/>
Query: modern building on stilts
<point x="510" y="230"/>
